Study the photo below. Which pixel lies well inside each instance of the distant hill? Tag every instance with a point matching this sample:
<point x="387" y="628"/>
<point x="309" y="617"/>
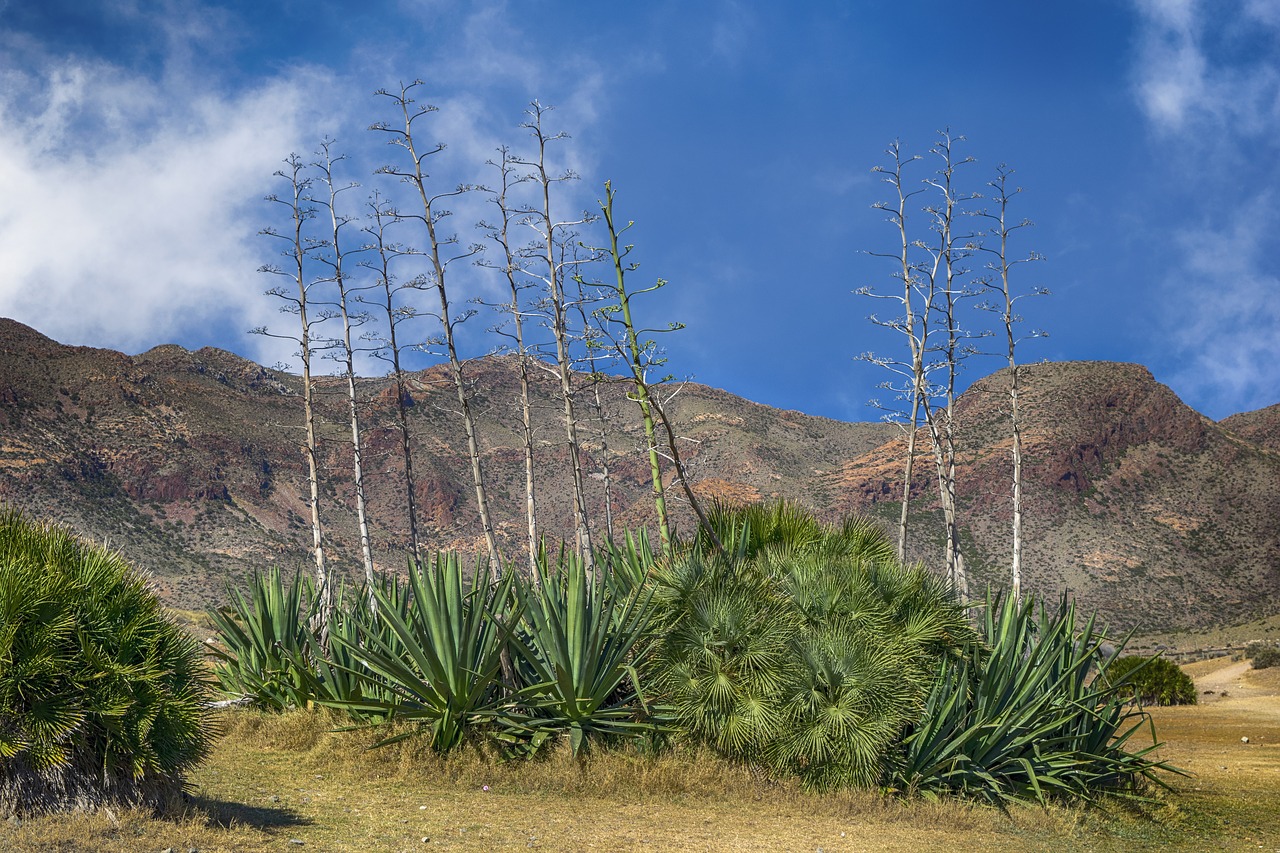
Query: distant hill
<point x="189" y="462"/>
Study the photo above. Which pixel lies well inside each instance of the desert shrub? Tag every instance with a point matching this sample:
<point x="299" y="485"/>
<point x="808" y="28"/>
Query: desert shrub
<point x="1029" y="713"/>
<point x="1152" y="681"/>
<point x="102" y="697"/>
<point x="1262" y="655"/>
<point x="803" y="647"/>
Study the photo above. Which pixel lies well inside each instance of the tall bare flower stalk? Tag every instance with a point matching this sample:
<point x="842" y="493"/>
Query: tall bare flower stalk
<point x="549" y="229"/>
<point x="432" y="212"/>
<point x="332" y="253"/>
<point x="297" y="301"/>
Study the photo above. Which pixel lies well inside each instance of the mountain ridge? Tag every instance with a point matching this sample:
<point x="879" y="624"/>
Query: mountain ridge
<point x="188" y="460"/>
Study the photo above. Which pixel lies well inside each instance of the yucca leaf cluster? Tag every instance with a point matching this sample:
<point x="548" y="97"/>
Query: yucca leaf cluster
<point x="804" y="647"/>
<point x="102" y="697"/>
<point x="463" y="653"/>
<point x="1031" y="712"/>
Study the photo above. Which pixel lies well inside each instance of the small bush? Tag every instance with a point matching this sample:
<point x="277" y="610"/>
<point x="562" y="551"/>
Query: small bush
<point x="102" y="697"/>
<point x="1152" y="681"/>
<point x="1262" y="655"/>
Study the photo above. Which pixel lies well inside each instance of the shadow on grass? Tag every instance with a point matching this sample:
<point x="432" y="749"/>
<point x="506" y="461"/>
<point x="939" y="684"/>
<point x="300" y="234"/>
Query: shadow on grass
<point x="228" y="813"/>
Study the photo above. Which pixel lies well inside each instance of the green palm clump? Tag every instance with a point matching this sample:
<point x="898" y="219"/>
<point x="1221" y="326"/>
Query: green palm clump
<point x="801" y="646"/>
<point x="102" y="697"/>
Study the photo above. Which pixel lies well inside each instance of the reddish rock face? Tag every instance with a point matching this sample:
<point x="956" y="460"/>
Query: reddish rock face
<point x="1139" y="505"/>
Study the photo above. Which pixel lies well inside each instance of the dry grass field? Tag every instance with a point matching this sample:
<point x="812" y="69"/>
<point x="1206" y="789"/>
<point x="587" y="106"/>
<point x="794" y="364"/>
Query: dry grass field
<point x="278" y="784"/>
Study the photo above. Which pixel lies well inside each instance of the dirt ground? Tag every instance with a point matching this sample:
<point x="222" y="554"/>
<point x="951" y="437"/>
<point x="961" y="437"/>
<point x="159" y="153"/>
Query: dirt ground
<point x="1230" y="743"/>
<point x="1224" y="678"/>
<point x="260" y="794"/>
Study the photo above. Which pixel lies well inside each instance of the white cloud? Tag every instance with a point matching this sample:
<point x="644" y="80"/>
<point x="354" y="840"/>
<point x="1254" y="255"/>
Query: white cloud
<point x="1222" y="312"/>
<point x="132" y="204"/>
<point x="1207" y="78"/>
<point x="1264" y="11"/>
<point x="1191" y="71"/>
<point x="131" y="200"/>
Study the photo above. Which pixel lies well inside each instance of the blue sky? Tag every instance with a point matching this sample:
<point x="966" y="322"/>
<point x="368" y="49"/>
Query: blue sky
<point x="138" y="138"/>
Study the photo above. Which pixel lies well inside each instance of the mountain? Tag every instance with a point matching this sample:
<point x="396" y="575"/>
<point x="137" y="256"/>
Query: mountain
<point x="189" y="462"/>
<point x="1143" y="509"/>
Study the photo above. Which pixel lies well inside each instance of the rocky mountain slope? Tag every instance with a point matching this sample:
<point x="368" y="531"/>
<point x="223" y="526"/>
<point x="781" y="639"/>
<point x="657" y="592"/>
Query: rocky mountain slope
<point x="189" y="462"/>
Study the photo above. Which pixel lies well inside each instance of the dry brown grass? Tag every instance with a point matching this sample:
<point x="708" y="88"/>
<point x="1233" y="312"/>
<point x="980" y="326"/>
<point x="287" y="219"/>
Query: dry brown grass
<point x="273" y="779"/>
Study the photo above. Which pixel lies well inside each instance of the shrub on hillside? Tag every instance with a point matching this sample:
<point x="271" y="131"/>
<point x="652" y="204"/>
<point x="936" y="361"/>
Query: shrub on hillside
<point x="102" y="697"/>
<point x="1152" y="681"/>
<point x="1262" y="655"/>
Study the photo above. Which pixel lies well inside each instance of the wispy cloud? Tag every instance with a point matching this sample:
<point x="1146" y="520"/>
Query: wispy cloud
<point x="1223" y="315"/>
<point x="131" y="203"/>
<point x="1208" y="66"/>
<point x="731" y="31"/>
<point x="1207" y="79"/>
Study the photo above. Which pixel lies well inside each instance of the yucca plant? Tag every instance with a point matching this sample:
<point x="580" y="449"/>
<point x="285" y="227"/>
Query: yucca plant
<point x="798" y="645"/>
<point x="433" y="658"/>
<point x="625" y="565"/>
<point x="335" y="672"/>
<point x="102" y="697"/>
<point x="264" y="645"/>
<point x="1029" y="714"/>
<point x="577" y="641"/>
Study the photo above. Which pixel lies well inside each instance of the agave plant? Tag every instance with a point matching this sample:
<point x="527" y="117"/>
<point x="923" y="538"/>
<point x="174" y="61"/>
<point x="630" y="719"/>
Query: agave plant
<point x="102" y="697"/>
<point x="1030" y="714"/>
<point x="265" y="644"/>
<point x="433" y="657"/>
<point x="335" y="673"/>
<point x="625" y="566"/>
<point x="576" y="642"/>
